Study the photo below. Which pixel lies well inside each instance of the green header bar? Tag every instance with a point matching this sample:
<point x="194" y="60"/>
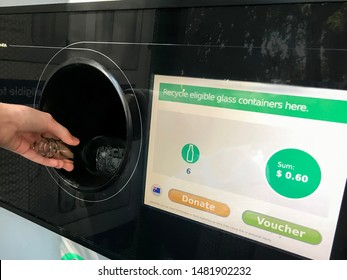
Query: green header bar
<point x="268" y="103"/>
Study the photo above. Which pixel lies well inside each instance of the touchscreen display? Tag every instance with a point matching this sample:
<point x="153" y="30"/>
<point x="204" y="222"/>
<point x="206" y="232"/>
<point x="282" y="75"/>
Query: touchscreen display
<point x="262" y="161"/>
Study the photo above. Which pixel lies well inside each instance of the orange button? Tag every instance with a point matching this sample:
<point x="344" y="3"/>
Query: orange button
<point x="199" y="202"/>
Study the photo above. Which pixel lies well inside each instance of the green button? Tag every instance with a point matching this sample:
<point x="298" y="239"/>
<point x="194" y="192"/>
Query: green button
<point x="282" y="227"/>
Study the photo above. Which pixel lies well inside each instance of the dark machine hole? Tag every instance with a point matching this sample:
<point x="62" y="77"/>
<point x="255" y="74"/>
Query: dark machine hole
<point x="92" y="106"/>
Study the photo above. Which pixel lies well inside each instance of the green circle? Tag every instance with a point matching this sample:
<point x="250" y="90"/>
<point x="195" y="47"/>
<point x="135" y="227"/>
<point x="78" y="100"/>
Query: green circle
<point x="71" y="256"/>
<point x="190" y="153"/>
<point x="293" y="173"/>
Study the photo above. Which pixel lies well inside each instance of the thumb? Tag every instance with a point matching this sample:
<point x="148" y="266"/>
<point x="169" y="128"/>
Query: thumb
<point x="56" y="129"/>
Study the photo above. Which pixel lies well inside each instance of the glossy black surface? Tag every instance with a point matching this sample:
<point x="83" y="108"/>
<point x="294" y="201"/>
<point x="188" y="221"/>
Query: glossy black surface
<point x="141" y="4"/>
<point x="295" y="44"/>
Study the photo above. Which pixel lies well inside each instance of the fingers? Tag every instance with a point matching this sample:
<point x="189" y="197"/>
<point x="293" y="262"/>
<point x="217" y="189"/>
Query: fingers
<point x="50" y="162"/>
<point x="36" y="121"/>
<point x="67" y="165"/>
<point x="59" y="131"/>
<point x="63" y="134"/>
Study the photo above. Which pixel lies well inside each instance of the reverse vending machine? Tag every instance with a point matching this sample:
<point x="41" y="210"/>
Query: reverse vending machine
<point x="209" y="129"/>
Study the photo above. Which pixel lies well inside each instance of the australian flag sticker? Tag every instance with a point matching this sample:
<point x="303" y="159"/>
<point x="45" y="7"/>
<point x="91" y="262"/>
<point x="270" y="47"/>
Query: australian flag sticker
<point x="156" y="190"/>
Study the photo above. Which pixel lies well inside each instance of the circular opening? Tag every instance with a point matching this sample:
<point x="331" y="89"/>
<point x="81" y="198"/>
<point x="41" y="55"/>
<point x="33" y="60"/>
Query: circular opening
<point x="87" y="100"/>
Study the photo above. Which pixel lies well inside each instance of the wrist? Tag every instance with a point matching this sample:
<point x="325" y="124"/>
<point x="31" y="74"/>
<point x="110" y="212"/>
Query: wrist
<point x="10" y="119"/>
<point x="10" y="113"/>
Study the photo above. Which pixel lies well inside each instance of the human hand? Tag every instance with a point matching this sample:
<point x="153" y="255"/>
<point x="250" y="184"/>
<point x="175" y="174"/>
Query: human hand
<point x="21" y="126"/>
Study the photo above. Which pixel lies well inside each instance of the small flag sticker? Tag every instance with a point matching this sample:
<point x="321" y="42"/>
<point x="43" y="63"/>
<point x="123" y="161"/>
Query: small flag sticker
<point x="156" y="190"/>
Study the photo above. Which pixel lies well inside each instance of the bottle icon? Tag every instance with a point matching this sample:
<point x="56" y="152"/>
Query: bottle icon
<point x="190" y="153"/>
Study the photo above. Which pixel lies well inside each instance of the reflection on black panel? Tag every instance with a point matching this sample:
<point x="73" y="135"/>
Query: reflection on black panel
<point x="287" y="44"/>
